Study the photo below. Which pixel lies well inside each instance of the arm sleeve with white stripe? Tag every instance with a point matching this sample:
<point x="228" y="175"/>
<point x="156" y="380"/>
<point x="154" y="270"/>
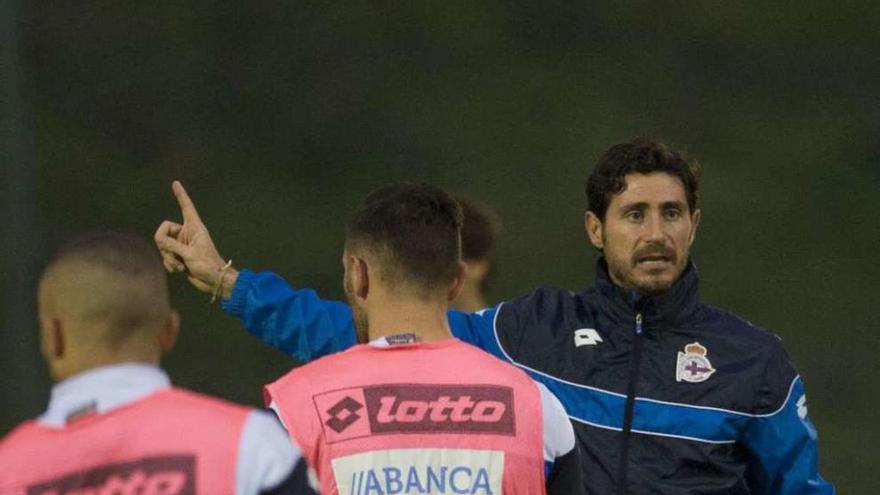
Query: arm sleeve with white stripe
<point x="268" y="462"/>
<point x="783" y="444"/>
<point x="561" y="453"/>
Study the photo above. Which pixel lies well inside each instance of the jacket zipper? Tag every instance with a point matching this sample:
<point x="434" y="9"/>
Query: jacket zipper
<point x="630" y="407"/>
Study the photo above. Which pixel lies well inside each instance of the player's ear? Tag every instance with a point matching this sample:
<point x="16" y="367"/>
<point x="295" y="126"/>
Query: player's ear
<point x="695" y="222"/>
<point x="360" y="277"/>
<point x="593" y="226"/>
<point x="170" y="331"/>
<point x="56" y="342"/>
<point x="457" y="282"/>
<point x="54" y="347"/>
<point x="477" y="270"/>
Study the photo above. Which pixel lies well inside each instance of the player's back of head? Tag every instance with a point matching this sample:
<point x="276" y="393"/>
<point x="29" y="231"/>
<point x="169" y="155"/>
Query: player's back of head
<point x="478" y="234"/>
<point x="115" y="423"/>
<point x="412" y="232"/>
<point x="103" y="298"/>
<point x="478" y="231"/>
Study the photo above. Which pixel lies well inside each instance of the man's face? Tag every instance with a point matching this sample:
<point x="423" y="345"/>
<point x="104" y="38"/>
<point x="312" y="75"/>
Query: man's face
<point x="647" y="232"/>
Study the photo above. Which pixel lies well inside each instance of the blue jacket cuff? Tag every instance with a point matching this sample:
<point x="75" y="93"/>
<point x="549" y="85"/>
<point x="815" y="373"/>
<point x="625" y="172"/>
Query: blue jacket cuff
<point x="236" y="303"/>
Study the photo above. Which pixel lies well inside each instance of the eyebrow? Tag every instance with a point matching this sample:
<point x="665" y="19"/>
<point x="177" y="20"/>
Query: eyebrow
<point x="642" y="205"/>
<point x="672" y="204"/>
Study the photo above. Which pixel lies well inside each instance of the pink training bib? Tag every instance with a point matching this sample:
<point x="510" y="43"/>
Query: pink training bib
<point x="440" y="417"/>
<point x="173" y="442"/>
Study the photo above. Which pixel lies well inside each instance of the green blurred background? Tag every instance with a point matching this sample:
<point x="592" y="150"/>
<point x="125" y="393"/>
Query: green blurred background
<point x="280" y="116"/>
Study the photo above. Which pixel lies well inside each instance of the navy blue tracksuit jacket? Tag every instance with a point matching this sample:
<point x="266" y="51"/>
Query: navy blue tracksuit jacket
<point x="666" y="395"/>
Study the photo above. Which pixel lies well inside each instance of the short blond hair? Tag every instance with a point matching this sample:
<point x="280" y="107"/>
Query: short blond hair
<point x="111" y="282"/>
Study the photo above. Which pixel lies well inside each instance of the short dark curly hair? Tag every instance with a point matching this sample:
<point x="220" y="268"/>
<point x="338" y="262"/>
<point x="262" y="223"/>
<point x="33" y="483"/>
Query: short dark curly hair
<point x="643" y="156"/>
<point x="415" y="229"/>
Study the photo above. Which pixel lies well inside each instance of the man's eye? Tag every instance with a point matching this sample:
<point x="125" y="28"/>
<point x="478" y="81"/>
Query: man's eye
<point x="672" y="214"/>
<point x="635" y="215"/>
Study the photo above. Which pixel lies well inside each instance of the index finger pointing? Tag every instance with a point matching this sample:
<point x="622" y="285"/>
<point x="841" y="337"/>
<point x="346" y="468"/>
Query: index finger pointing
<point x="187" y="208"/>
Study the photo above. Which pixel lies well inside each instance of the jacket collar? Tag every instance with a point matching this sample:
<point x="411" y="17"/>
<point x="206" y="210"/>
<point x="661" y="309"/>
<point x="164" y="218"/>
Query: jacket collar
<point x="674" y="307"/>
<point x="101" y="390"/>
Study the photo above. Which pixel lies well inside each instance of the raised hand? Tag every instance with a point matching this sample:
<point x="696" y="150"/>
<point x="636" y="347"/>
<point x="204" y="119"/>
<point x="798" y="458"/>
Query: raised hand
<point x="188" y="248"/>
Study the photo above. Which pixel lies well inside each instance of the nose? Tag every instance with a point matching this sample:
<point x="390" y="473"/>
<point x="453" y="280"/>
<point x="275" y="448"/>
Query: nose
<point x="654" y="228"/>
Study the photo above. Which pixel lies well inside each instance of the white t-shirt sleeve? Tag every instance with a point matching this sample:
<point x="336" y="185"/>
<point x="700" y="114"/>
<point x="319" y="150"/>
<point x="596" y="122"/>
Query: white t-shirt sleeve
<point x="558" y="432"/>
<point x="266" y="455"/>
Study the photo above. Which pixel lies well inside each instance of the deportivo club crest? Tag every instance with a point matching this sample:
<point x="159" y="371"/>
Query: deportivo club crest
<point x="693" y="366"/>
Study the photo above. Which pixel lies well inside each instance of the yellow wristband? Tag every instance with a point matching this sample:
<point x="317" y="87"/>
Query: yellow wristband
<point x="219" y="285"/>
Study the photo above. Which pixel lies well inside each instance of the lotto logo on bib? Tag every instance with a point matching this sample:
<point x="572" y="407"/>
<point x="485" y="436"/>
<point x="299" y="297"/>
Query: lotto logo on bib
<point x="409" y="408"/>
<point x="165" y="475"/>
<point x="405" y="471"/>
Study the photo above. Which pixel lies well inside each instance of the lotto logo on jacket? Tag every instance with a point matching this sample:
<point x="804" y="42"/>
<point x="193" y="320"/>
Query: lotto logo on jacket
<point x="167" y="475"/>
<point x="409" y="408"/>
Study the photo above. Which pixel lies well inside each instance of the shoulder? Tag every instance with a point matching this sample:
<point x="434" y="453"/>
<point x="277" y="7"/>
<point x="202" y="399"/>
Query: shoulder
<point x="267" y="457"/>
<point x="325" y="366"/>
<point x="263" y="431"/>
<point x="18" y="449"/>
<point x="733" y="325"/>
<point x="265" y="423"/>
<point x="541" y="322"/>
<point x="558" y="433"/>
<point x="759" y="351"/>
<point x="470" y="355"/>
<point x="544" y="305"/>
<point x="542" y="298"/>
<point x="548" y="306"/>
<point x="297" y="384"/>
<point x="19" y="434"/>
<point x="332" y="361"/>
<point x="203" y="404"/>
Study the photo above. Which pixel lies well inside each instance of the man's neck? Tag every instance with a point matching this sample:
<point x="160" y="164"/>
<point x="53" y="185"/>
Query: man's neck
<point x="98" y="359"/>
<point x="427" y="321"/>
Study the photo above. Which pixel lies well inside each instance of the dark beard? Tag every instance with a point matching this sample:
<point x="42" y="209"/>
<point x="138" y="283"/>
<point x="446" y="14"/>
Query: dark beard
<point x="361" y="324"/>
<point x="650" y="289"/>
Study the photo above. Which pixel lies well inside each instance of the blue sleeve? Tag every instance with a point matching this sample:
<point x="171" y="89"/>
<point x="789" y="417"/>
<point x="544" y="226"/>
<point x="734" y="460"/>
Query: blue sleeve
<point x="296" y="321"/>
<point x="300" y="323"/>
<point x="783" y="450"/>
<point x="478" y="329"/>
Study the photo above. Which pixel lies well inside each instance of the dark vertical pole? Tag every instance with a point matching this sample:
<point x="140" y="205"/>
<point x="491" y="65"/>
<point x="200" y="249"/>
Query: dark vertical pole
<point x="22" y="376"/>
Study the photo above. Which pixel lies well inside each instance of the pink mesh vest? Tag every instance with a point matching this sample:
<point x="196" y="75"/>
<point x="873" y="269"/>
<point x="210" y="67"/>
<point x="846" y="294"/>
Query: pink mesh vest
<point x="440" y="417"/>
<point x="173" y="442"/>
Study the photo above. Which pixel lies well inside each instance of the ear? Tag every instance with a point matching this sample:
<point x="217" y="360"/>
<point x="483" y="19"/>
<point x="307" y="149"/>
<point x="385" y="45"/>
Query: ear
<point x="695" y="222"/>
<point x="476" y="270"/>
<point x="458" y="282"/>
<point x="168" y="336"/>
<point x="56" y="339"/>
<point x="593" y="226"/>
<point x="360" y="277"/>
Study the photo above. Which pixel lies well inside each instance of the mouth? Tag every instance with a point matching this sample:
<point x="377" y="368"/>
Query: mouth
<point x="656" y="260"/>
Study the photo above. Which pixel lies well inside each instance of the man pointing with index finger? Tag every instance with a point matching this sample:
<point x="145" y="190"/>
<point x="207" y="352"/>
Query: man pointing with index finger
<point x="667" y="395"/>
<point x="188" y="248"/>
<point x="412" y="409"/>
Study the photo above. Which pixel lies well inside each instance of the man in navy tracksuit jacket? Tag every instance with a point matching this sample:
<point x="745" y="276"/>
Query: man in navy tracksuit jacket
<point x="667" y="395"/>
